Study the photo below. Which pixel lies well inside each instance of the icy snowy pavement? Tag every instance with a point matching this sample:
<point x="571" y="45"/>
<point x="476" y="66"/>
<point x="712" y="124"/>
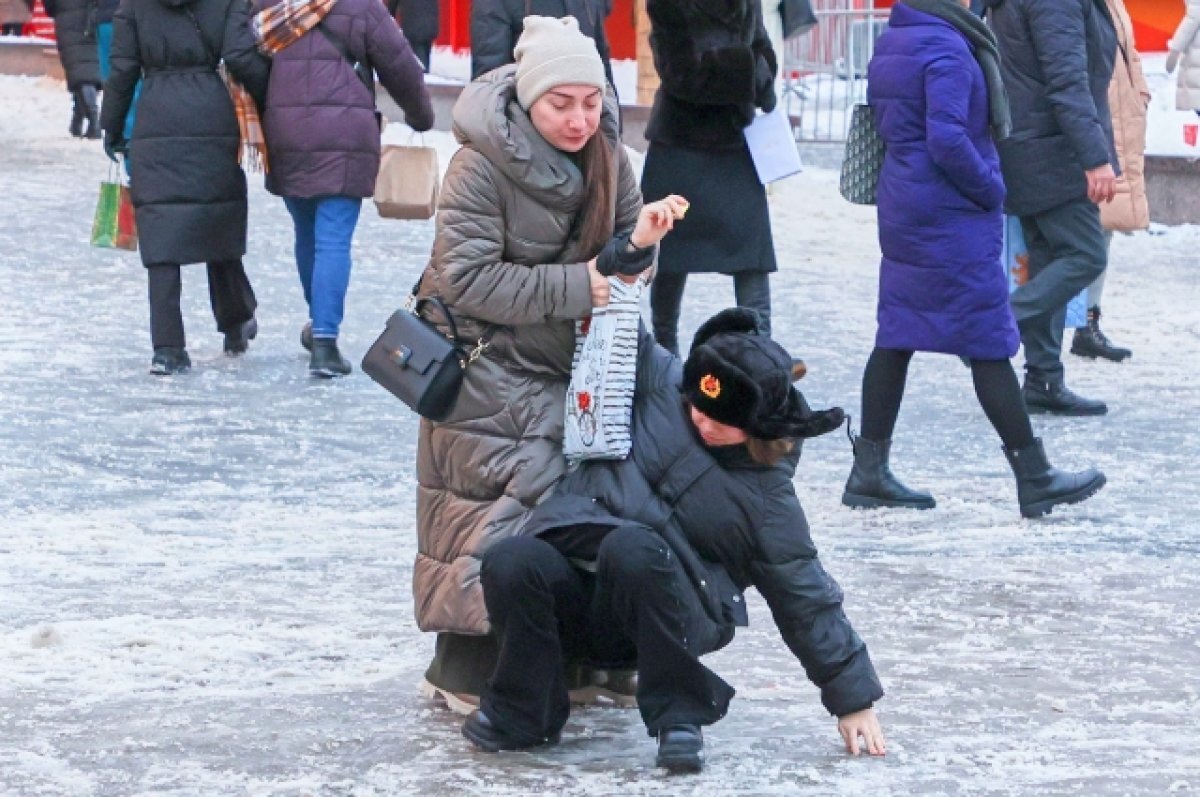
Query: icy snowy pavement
<point x="204" y="581"/>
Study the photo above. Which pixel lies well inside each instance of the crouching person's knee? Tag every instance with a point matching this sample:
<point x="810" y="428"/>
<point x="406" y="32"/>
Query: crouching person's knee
<point x="631" y="555"/>
<point x="510" y="563"/>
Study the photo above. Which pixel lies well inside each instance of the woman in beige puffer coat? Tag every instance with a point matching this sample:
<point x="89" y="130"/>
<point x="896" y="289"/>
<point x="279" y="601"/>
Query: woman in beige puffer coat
<point x="508" y="257"/>
<point x="1129" y="211"/>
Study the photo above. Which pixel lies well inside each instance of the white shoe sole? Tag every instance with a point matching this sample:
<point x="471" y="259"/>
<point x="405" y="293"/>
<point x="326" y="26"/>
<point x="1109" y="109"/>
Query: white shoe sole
<point x="459" y="704"/>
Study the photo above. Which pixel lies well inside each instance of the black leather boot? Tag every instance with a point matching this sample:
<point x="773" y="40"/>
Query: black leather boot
<point x="170" y="360"/>
<point x="1090" y="342"/>
<point x="306" y="336"/>
<point x="77" y="115"/>
<point x="490" y="738"/>
<point x="91" y="113"/>
<point x="1041" y="487"/>
<point x="327" y="361"/>
<point x="237" y="340"/>
<point x="1054" y="398"/>
<point x="681" y="748"/>
<point x="872" y="485"/>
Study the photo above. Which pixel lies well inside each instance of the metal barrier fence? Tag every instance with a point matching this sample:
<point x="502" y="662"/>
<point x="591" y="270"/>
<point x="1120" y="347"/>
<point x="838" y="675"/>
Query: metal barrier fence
<point x="825" y="70"/>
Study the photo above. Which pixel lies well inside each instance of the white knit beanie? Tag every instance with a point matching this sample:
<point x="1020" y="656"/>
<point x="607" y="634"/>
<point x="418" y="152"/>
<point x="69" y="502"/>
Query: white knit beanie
<point x="552" y="52"/>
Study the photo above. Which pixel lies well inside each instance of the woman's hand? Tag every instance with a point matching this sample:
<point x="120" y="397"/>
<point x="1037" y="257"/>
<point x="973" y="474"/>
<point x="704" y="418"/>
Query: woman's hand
<point x="656" y="219"/>
<point x="865" y="724"/>
<point x="600" y="289"/>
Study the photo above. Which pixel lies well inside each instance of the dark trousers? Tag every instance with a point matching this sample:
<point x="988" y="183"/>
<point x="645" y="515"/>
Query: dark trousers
<point x="751" y="289"/>
<point x="229" y="291"/>
<point x="996" y="389"/>
<point x="638" y="606"/>
<point x="423" y="50"/>
<point x="1067" y="252"/>
<point x="12" y="28"/>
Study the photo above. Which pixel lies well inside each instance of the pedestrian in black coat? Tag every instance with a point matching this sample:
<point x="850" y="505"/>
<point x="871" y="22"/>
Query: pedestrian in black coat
<point x="420" y="22"/>
<point x="189" y="193"/>
<point x="667" y="540"/>
<point x="717" y="68"/>
<point x="75" y="24"/>
<point x="497" y="24"/>
<point x="1057" y="59"/>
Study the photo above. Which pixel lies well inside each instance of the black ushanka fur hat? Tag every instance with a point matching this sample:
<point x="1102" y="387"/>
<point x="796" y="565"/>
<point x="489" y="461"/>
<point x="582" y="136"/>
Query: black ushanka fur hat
<point x="738" y="376"/>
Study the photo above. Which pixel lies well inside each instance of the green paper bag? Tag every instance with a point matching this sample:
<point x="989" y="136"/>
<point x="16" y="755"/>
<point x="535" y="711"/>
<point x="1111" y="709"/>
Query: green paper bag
<point x="114" y="226"/>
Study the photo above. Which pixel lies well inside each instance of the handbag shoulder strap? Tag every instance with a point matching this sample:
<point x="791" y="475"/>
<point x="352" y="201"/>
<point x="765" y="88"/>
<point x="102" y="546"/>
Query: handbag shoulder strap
<point x="215" y="56"/>
<point x="417" y="303"/>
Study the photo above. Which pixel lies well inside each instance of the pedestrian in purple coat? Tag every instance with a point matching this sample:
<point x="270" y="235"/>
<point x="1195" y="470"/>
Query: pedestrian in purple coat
<point x="323" y="137"/>
<point x="938" y="100"/>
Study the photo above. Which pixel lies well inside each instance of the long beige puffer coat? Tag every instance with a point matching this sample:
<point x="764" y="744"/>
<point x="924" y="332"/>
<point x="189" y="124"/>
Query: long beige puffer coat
<point x="1186" y="42"/>
<point x="502" y="257"/>
<point x="1128" y="97"/>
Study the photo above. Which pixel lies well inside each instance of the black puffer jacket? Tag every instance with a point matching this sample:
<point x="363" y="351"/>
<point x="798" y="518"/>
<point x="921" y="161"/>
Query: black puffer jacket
<point x="189" y="193"/>
<point x="732" y="522"/>
<point x="75" y="35"/>
<point x="1057" y="62"/>
<point x="716" y="65"/>
<point x="497" y="24"/>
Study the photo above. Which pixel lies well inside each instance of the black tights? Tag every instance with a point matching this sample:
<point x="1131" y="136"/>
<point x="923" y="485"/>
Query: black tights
<point x="996" y="388"/>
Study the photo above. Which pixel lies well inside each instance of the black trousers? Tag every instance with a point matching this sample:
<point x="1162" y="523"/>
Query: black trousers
<point x="751" y="289"/>
<point x="1067" y="251"/>
<point x="639" y="607"/>
<point x="229" y="291"/>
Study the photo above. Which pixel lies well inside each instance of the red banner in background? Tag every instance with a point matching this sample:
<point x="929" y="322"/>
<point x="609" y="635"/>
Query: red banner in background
<point x="456" y="27"/>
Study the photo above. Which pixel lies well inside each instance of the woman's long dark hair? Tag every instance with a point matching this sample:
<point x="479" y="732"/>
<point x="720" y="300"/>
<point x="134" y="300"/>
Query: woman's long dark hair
<point x="599" y="204"/>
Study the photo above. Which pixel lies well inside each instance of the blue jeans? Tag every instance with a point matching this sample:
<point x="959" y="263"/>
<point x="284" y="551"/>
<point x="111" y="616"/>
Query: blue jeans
<point x="324" y="228"/>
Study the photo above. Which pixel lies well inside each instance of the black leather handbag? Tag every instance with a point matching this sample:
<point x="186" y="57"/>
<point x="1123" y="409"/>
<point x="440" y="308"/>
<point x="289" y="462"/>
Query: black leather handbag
<point x="420" y="365"/>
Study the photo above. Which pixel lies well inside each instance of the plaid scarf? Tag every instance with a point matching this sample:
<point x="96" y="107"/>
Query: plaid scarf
<point x="279" y="26"/>
<point x="254" y="142"/>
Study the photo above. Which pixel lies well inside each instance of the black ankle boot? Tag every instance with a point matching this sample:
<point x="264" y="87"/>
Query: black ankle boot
<point x="91" y="113"/>
<point x="1090" y="342"/>
<point x="77" y="115"/>
<point x="681" y="749"/>
<point x="1055" y="398"/>
<point x="1041" y="487"/>
<point x="306" y="336"/>
<point x="490" y="738"/>
<point x="326" y="360"/>
<point x="237" y="340"/>
<point x="170" y="360"/>
<point x="872" y="484"/>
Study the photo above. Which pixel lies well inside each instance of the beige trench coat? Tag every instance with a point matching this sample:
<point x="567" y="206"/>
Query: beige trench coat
<point x="501" y="256"/>
<point x="1128" y="97"/>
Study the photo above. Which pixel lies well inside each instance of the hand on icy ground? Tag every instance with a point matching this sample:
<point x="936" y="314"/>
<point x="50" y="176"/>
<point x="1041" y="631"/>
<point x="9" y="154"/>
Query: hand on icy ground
<point x="865" y="724"/>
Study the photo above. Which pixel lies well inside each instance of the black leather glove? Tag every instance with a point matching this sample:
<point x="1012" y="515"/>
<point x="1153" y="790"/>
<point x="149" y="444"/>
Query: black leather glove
<point x="115" y="149"/>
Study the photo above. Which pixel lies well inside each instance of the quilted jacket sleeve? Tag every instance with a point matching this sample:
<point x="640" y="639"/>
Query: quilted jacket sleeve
<point x="472" y="275"/>
<point x="947" y="103"/>
<point x="399" y="70"/>
<point x="806" y="604"/>
<point x="125" y="66"/>
<point x="1056" y="27"/>
<point x="241" y="56"/>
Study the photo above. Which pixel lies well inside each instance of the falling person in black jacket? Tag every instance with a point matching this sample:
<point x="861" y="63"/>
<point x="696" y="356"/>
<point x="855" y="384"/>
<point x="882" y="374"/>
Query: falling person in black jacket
<point x="645" y="559"/>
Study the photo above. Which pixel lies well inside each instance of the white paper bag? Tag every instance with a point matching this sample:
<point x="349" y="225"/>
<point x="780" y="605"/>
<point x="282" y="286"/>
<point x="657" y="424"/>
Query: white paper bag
<point x="773" y="146"/>
<point x="603" y="375"/>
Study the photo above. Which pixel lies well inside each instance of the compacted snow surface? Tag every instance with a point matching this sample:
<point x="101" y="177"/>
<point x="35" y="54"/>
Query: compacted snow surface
<point x="205" y="580"/>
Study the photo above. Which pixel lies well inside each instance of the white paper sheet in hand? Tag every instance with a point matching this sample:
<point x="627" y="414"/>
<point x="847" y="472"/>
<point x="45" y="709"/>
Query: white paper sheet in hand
<point x="772" y="146"/>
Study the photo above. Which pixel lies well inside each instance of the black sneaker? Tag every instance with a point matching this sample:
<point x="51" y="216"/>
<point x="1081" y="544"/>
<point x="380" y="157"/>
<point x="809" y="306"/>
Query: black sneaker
<point x="489" y="738"/>
<point x="327" y="362"/>
<point x="237" y="340"/>
<point x="1056" y="399"/>
<point x="169" y="360"/>
<point x="681" y="749"/>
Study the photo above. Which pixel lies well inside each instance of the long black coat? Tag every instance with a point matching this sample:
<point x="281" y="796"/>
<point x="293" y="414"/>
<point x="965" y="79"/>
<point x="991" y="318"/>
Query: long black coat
<point x="716" y="64"/>
<point x="419" y="19"/>
<point x="75" y="35"/>
<point x="1057" y="63"/>
<point x="189" y="193"/>
<point x="497" y="24"/>
<point x="731" y="522"/>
